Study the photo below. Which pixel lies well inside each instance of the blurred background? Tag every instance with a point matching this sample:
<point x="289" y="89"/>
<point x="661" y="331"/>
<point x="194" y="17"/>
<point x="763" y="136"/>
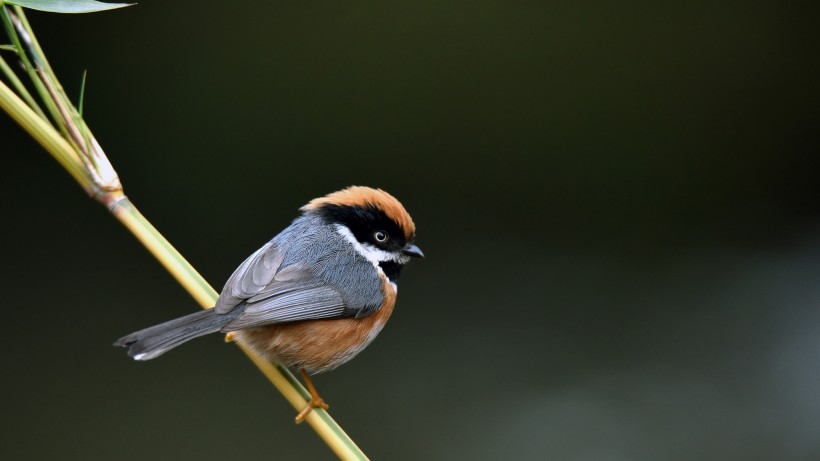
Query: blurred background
<point x="618" y="203"/>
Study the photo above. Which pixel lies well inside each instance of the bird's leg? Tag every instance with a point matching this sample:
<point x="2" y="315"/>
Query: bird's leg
<point x="315" y="400"/>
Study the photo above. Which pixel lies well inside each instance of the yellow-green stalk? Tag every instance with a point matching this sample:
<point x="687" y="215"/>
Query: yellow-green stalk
<point x="76" y="149"/>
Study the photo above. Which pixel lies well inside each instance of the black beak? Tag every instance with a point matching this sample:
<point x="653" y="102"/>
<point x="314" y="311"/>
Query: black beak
<point x="413" y="250"/>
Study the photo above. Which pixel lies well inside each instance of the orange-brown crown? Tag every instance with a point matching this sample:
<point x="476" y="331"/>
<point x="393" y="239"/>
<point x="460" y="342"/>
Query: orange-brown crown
<point x="367" y="196"/>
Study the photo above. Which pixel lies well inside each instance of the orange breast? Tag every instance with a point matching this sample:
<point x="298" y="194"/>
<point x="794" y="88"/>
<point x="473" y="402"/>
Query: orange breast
<point x="319" y="345"/>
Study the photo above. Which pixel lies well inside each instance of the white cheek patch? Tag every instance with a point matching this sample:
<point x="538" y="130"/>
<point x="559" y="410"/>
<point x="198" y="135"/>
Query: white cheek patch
<point x="374" y="254"/>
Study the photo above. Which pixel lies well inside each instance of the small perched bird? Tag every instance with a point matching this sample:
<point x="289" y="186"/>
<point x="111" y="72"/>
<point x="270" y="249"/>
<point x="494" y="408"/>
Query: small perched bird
<point x="314" y="296"/>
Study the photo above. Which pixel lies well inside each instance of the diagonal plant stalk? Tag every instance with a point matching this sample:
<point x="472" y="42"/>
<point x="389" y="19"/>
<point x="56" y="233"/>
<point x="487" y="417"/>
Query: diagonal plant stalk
<point x="69" y="140"/>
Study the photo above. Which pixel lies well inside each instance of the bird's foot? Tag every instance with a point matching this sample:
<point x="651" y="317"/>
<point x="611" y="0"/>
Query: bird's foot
<point x="313" y="403"/>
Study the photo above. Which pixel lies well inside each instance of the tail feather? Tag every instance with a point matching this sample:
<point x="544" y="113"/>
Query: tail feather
<point x="156" y="340"/>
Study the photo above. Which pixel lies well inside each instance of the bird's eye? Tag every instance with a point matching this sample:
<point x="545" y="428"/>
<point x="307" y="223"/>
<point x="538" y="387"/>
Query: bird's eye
<point x="380" y="236"/>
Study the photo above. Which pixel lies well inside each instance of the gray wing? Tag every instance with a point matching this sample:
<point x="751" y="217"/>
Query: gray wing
<point x="270" y="293"/>
<point x="250" y="278"/>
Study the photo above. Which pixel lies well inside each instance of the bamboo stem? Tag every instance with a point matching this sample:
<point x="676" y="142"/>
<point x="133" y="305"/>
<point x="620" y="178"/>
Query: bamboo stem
<point x="92" y="170"/>
<point x="12" y="22"/>
<point x="46" y="135"/>
<point x="20" y="88"/>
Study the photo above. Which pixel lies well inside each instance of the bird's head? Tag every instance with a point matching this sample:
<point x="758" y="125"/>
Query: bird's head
<point x="374" y="222"/>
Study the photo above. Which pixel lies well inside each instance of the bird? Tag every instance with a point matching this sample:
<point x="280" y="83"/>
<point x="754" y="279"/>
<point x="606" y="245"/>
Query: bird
<point x="314" y="296"/>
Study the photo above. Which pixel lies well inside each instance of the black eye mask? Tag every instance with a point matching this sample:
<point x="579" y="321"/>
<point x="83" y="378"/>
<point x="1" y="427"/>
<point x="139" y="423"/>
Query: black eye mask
<point x="364" y="222"/>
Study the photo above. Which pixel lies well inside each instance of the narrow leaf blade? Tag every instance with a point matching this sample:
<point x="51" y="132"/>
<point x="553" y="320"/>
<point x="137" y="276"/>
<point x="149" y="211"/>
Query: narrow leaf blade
<point x="67" y="6"/>
<point x="82" y="93"/>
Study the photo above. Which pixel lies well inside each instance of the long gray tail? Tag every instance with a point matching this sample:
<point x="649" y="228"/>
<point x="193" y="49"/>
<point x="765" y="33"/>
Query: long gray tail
<point x="156" y="340"/>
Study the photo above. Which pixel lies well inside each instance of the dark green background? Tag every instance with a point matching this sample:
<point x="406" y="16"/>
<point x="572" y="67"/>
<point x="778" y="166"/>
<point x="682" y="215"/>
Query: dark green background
<point x="618" y="202"/>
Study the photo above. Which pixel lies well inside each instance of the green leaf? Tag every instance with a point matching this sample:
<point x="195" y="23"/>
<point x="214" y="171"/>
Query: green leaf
<point x="11" y="48"/>
<point x="67" y="6"/>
